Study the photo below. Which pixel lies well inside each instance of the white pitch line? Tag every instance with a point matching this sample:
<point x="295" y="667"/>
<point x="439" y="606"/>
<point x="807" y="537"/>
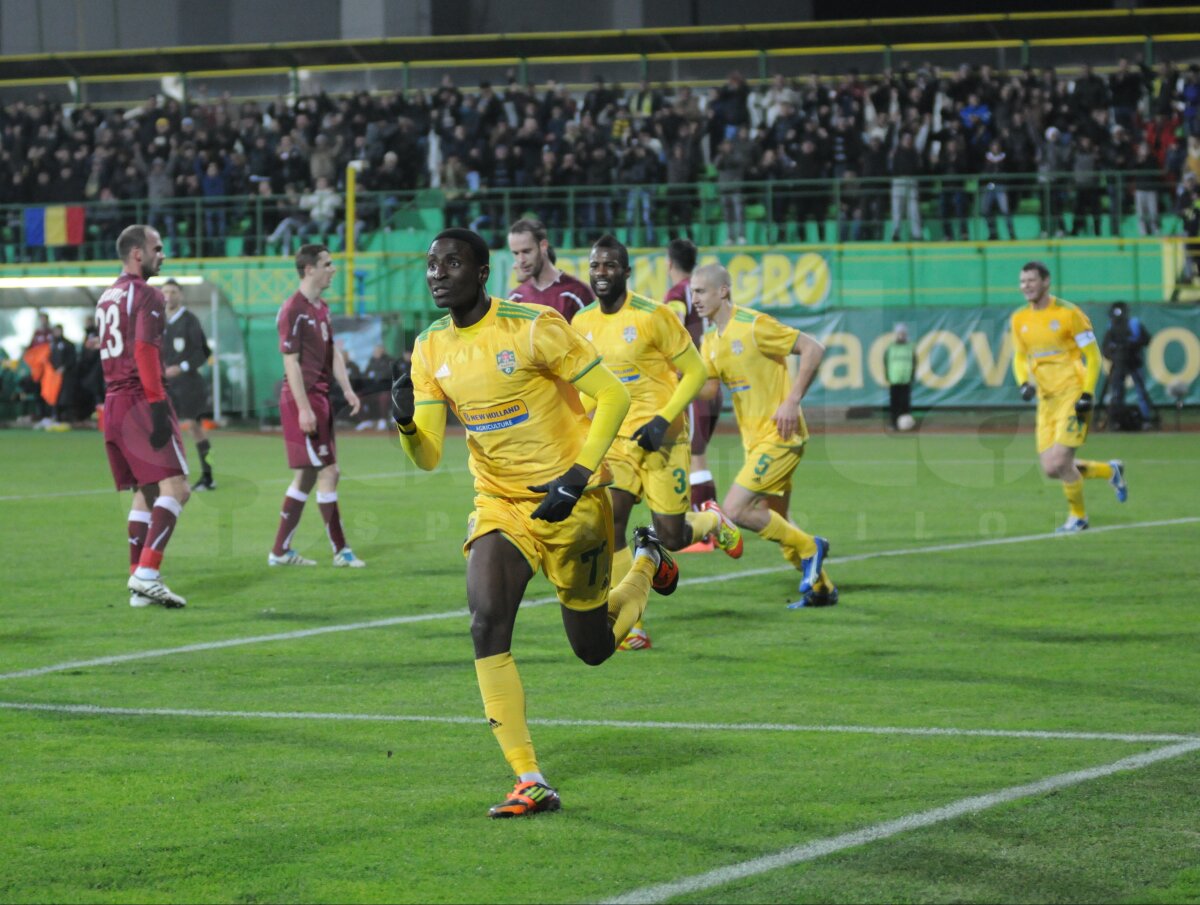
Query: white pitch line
<point x="416" y="472"/>
<point x="819" y="848"/>
<point x="924" y="732"/>
<point x="542" y="601"/>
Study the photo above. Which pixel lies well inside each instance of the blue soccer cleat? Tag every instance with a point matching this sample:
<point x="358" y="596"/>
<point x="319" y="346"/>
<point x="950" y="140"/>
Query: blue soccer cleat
<point x="345" y="558"/>
<point x="1072" y="526"/>
<point x="1118" y="480"/>
<point x="811" y="567"/>
<point x="816" y="598"/>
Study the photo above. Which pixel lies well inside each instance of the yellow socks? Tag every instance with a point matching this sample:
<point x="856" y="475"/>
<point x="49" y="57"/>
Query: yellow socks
<point x="621" y="561"/>
<point x="784" y="533"/>
<point x="504" y="706"/>
<point x="1074" y="495"/>
<point x="702" y="524"/>
<point x="627" y="600"/>
<point x="1091" y="470"/>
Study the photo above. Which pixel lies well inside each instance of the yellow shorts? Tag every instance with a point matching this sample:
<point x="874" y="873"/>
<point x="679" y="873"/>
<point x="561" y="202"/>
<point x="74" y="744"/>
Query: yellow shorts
<point x="660" y="477"/>
<point x="575" y="554"/>
<point x="768" y="468"/>
<point x="1058" y="423"/>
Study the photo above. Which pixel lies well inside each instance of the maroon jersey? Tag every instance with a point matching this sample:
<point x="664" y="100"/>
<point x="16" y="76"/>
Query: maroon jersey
<point x="694" y="324"/>
<point x="127" y="313"/>
<point x="566" y="295"/>
<point x="304" y="330"/>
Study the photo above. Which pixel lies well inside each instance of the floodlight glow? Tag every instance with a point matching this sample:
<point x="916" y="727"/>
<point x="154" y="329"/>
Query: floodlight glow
<point x="84" y="282"/>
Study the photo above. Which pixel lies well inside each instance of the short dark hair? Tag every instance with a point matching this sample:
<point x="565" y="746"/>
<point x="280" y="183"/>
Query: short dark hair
<point x="483" y="256"/>
<point x="608" y="240"/>
<point x="131" y="237"/>
<point x="1041" y="269"/>
<point x="307" y="256"/>
<point x="535" y="228"/>
<point x="171" y="281"/>
<point x="682" y="253"/>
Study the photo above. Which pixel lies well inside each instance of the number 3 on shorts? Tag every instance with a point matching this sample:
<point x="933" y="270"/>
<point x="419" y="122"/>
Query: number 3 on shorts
<point x="681" y="480"/>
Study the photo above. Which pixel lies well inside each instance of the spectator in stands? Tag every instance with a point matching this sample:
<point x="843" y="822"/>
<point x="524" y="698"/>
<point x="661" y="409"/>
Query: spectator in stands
<point x="1087" y="187"/>
<point x="1054" y="158"/>
<point x="732" y="163"/>
<point x="1145" y="181"/>
<point x="995" y="190"/>
<point x="905" y="166"/>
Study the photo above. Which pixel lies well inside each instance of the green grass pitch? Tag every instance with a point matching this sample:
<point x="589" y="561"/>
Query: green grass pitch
<point x="324" y="739"/>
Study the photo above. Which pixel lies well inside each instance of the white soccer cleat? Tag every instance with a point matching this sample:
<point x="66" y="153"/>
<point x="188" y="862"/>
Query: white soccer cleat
<point x="290" y="558"/>
<point x="1072" y="526"/>
<point x="1118" y="480"/>
<point x="345" y="558"/>
<point x="154" y="592"/>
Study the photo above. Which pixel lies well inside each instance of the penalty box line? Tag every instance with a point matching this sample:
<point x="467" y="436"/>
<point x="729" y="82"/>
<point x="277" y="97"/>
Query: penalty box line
<point x="918" y="731"/>
<point x="543" y="601"/>
<point x="811" y="851"/>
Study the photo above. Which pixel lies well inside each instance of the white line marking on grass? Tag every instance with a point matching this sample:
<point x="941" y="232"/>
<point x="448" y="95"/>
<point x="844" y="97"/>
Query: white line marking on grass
<point x="810" y="851"/>
<point x="542" y="601"/>
<point x="927" y="732"/>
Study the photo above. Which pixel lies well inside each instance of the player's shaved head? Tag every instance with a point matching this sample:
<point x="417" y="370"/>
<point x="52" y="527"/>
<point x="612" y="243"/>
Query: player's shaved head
<point x="713" y="275"/>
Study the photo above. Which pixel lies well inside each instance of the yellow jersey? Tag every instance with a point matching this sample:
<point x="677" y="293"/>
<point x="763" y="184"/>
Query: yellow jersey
<point x="639" y="344"/>
<point x="508" y="380"/>
<point x="750" y="358"/>
<point x="1050" y="341"/>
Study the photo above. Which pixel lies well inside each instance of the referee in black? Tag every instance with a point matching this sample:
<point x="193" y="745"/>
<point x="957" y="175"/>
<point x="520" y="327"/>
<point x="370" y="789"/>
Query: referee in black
<point x="185" y="350"/>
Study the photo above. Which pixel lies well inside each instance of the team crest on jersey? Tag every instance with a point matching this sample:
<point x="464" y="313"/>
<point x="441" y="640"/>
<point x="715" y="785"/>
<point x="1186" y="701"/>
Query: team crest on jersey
<point x="324" y="331"/>
<point x="630" y="334"/>
<point x="179" y="343"/>
<point x="737" y="347"/>
<point x="1054" y="325"/>
<point x="506" y="361"/>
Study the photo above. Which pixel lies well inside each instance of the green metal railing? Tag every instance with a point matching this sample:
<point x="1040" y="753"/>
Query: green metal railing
<point x="713" y="213"/>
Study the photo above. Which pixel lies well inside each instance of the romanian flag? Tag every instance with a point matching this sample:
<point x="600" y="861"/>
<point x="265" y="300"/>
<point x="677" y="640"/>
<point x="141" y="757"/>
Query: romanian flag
<point x="56" y="225"/>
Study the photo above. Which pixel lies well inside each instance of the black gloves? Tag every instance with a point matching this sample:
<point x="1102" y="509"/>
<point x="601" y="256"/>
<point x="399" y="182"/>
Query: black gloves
<point x="561" y="494"/>
<point x="402" y="396"/>
<point x="1028" y="391"/>
<point x="650" y="435"/>
<point x="1083" y="404"/>
<point x="160" y="418"/>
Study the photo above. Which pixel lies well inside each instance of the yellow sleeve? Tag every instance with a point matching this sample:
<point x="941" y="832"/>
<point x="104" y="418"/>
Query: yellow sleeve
<point x="1020" y="360"/>
<point x="424" y="444"/>
<point x="1085" y="339"/>
<point x="612" y="402"/>
<point x="1091" y="360"/>
<point x="678" y="307"/>
<point x="774" y="338"/>
<point x="693" y="375"/>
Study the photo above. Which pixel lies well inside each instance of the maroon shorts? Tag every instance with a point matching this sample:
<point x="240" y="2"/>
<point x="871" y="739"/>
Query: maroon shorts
<point x="134" y="462"/>
<point x="307" y="450"/>
<point x="703" y="415"/>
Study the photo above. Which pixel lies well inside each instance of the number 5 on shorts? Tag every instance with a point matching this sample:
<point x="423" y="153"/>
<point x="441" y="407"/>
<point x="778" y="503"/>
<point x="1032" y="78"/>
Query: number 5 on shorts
<point x="764" y="462"/>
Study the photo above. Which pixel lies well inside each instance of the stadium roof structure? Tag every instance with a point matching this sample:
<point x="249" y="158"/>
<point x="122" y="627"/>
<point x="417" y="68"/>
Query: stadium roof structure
<point x="1099" y="26"/>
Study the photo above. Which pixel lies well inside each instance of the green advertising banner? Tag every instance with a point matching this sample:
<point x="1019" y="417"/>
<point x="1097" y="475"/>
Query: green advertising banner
<point x="964" y="356"/>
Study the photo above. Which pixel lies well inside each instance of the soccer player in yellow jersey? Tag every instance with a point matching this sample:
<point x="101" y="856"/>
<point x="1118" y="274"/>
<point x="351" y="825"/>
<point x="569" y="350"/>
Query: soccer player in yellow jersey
<point x="645" y="345"/>
<point x="1056" y="358"/>
<point x="512" y="374"/>
<point x="747" y="351"/>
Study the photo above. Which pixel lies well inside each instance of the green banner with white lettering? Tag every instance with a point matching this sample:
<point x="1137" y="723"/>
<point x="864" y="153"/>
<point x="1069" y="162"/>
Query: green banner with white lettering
<point x="964" y="356"/>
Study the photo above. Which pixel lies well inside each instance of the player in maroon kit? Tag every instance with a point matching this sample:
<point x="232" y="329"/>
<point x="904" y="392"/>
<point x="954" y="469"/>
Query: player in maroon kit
<point x="702" y="414"/>
<point x="310" y="362"/>
<point x="141" y="435"/>
<point x="541" y="282"/>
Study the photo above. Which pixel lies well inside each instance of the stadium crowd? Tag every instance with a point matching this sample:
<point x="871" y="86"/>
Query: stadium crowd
<point x="875" y="135"/>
